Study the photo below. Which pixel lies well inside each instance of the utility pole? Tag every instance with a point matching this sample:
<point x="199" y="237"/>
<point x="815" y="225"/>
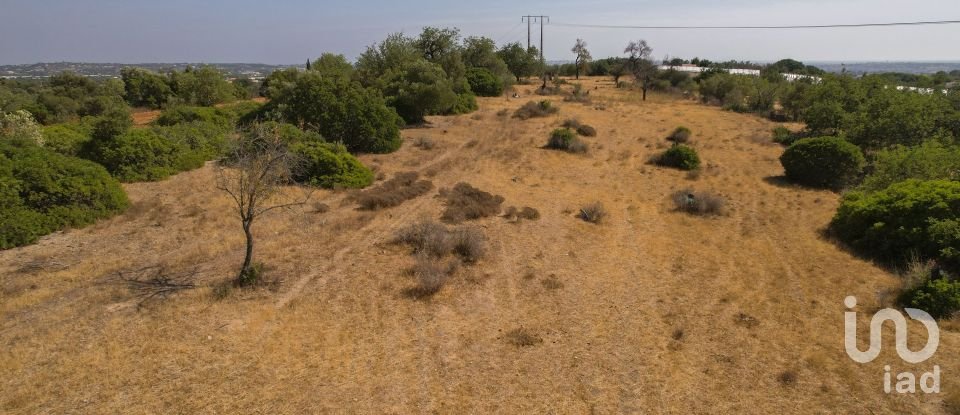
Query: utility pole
<point x="535" y="19"/>
<point x="543" y="19"/>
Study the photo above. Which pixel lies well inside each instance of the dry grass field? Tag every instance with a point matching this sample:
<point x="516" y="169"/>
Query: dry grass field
<point x="650" y="311"/>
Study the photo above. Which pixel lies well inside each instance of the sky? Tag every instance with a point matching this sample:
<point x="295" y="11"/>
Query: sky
<point x="291" y="31"/>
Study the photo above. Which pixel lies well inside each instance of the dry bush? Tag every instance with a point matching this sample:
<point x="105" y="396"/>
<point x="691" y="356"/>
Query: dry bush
<point x="698" y="203"/>
<point x="429" y="238"/>
<point x="431" y="275"/>
<point x="593" y="213"/>
<point x="465" y="202"/>
<point x="680" y="135"/>
<point x="432" y="244"/>
<point x="571" y="123"/>
<point x="503" y="113"/>
<point x="787" y="378"/>
<point x="577" y="146"/>
<point x="746" y="320"/>
<point x="522" y="337"/>
<point x="468" y="243"/>
<point x="535" y="109"/>
<point x="581" y="128"/>
<point x="552" y="283"/>
<point x="514" y="214"/>
<point x="401" y="188"/>
<point x="424" y="143"/>
<point x="587" y="131"/>
<point x="320" y="207"/>
<point x="578" y="95"/>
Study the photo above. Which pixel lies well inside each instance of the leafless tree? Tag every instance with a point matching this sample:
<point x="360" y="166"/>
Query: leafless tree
<point x="583" y="56"/>
<point x="640" y="64"/>
<point x="254" y="175"/>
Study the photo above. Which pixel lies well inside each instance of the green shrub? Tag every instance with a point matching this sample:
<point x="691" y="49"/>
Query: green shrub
<point x="182" y="115"/>
<point x="564" y="139"/>
<point x="484" y="83"/>
<point x="241" y="109"/>
<point x="828" y="162"/>
<point x="207" y="141"/>
<point x="67" y="139"/>
<point x="42" y="191"/>
<point x="940" y="297"/>
<point x="112" y="123"/>
<point x="680" y="135"/>
<point x="329" y="165"/>
<point x="466" y="103"/>
<point x="340" y="110"/>
<point x="679" y="156"/>
<point x="931" y="160"/>
<point x="783" y="135"/>
<point x="910" y="218"/>
<point x="140" y="155"/>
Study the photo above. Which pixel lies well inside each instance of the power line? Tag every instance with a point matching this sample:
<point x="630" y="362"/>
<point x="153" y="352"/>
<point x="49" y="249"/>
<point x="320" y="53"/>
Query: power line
<point x="508" y="34"/>
<point x="825" y="26"/>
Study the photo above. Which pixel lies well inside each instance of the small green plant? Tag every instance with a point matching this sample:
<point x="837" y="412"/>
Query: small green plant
<point x="564" y="139"/>
<point x="250" y="276"/>
<point x="826" y="162"/>
<point x="783" y="135"/>
<point x="679" y="156"/>
<point x="680" y="135"/>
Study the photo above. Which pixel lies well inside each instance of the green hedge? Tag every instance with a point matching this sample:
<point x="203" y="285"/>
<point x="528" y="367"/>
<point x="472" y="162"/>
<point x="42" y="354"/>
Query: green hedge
<point x="827" y="162"/>
<point x="42" y="191"/>
<point x="909" y="218"/>
<point x="330" y="165"/>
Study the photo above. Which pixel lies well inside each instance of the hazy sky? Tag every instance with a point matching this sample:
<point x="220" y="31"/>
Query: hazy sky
<point x="290" y="31"/>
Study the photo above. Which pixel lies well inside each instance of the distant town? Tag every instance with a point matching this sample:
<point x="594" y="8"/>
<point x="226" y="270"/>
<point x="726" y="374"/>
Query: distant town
<point x="253" y="71"/>
<point x="257" y="71"/>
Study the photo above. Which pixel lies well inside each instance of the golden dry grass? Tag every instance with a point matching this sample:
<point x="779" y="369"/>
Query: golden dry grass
<point x="652" y="311"/>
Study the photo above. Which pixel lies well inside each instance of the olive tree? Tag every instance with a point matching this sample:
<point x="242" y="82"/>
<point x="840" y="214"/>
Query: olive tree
<point x="521" y="62"/>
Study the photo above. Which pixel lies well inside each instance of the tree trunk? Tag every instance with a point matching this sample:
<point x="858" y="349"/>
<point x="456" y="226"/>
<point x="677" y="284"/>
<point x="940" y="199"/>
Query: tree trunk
<point x="248" y="259"/>
<point x="644" y="92"/>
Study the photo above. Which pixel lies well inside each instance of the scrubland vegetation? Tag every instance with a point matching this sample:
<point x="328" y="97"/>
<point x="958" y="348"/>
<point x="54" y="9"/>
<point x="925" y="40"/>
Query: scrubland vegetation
<point x="723" y="255"/>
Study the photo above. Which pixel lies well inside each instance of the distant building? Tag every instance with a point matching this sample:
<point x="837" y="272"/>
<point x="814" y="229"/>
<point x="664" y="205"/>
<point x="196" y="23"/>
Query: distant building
<point x="698" y="69"/>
